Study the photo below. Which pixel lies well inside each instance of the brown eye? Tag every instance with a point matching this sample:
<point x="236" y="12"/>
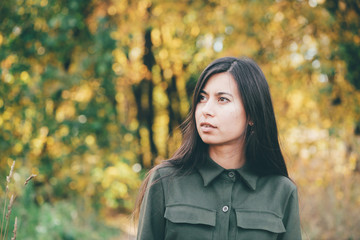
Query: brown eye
<point x="202" y="98"/>
<point x="223" y="99"/>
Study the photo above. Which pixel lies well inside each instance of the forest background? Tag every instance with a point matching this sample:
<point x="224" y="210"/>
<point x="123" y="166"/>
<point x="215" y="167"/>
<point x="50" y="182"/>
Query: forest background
<point x="92" y="94"/>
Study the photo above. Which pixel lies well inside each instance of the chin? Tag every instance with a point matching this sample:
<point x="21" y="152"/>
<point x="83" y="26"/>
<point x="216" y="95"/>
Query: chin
<point x="210" y="141"/>
<point x="221" y="142"/>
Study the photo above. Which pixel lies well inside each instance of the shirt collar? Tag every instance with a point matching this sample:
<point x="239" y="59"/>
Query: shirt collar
<point x="210" y="170"/>
<point x="248" y="176"/>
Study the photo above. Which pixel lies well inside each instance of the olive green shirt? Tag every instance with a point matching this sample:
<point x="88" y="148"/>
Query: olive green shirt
<point x="215" y="203"/>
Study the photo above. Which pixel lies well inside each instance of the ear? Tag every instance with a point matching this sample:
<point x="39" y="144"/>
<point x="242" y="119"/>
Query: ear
<point x="251" y="123"/>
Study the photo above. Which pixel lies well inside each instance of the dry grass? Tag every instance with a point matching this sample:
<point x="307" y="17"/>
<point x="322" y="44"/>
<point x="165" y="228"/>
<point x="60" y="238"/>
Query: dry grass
<point x="8" y="206"/>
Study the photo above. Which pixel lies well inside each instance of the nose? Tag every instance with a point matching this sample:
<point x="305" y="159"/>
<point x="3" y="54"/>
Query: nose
<point x="208" y="109"/>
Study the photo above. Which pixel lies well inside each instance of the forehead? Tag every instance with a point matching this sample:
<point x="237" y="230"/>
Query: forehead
<point x="221" y="82"/>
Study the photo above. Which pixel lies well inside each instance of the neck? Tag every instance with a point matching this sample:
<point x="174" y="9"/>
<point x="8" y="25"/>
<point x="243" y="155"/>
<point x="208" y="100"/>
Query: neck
<point x="229" y="157"/>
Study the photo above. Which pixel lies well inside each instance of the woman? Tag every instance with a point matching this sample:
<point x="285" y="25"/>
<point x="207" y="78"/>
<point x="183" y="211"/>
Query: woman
<point x="228" y="179"/>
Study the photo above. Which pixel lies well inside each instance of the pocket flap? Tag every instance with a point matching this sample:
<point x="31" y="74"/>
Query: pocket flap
<point x="190" y="214"/>
<point x="251" y="219"/>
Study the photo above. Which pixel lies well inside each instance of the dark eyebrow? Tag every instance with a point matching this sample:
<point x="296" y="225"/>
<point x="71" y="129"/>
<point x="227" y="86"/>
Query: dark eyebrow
<point x="202" y="91"/>
<point x="224" y="93"/>
<point x="217" y="94"/>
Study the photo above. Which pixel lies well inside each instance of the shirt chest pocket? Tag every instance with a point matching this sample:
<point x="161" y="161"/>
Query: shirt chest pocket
<point x="252" y="224"/>
<point x="189" y="222"/>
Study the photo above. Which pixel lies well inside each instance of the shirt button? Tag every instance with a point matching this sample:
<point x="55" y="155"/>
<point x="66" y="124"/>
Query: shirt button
<point x="225" y="208"/>
<point x="231" y="174"/>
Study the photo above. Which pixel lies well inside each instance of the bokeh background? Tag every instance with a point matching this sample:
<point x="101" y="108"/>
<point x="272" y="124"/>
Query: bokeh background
<point x="92" y="93"/>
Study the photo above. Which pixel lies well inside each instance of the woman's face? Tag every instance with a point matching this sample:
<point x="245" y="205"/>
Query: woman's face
<point x="220" y="116"/>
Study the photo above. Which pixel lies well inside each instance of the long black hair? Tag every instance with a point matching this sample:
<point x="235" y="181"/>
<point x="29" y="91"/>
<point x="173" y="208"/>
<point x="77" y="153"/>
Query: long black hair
<point x="262" y="149"/>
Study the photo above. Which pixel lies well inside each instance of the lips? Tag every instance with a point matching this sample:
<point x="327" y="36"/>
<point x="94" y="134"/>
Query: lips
<point x="206" y="125"/>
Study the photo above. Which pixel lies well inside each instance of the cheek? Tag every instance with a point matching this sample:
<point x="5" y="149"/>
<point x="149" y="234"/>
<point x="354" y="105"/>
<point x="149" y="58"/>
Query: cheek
<point x="239" y="111"/>
<point x="237" y="116"/>
<point x="234" y="112"/>
<point x="197" y="114"/>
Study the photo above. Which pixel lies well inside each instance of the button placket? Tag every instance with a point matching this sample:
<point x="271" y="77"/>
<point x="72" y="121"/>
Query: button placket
<point x="225" y="208"/>
<point x="231" y="174"/>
